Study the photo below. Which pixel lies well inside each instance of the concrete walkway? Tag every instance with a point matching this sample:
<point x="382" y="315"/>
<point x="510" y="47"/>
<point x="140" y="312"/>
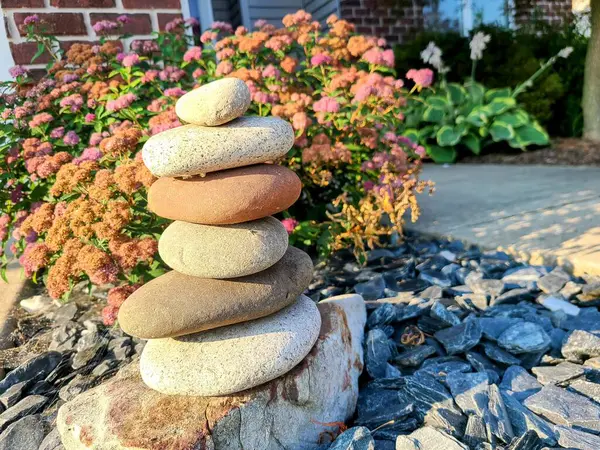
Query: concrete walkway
<point x="542" y="214"/>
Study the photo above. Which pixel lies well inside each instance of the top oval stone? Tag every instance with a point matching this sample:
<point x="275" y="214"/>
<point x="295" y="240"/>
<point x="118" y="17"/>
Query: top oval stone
<point x="193" y="150"/>
<point x="214" y="103"/>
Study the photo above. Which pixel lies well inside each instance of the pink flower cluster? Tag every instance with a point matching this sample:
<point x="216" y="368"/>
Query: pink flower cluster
<point x="379" y="57"/>
<point x="89" y="154"/>
<point x="193" y="54"/>
<point x="290" y="224"/>
<point x="71" y="138"/>
<point x="34" y="18"/>
<point x="423" y="77"/>
<point x="144" y="47"/>
<point x="17" y="71"/>
<point x="326" y="104"/>
<point x="104" y="25"/>
<point x="122" y="102"/>
<point x="131" y="60"/>
<point x="320" y="59"/>
<point x="222" y="26"/>
<point x="74" y="102"/>
<point x="271" y="72"/>
<point x="174" y="92"/>
<point x="171" y="73"/>
<point x="40" y="119"/>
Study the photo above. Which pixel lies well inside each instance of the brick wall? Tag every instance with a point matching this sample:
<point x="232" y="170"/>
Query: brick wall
<point x="380" y="18"/>
<point x="550" y="11"/>
<point x="72" y="20"/>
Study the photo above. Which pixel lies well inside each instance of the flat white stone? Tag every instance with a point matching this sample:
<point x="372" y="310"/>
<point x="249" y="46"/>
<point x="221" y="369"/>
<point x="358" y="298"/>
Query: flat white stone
<point x="233" y="358"/>
<point x="193" y="149"/>
<point x="214" y="103"/>
<point x="223" y="251"/>
<point x="557" y="304"/>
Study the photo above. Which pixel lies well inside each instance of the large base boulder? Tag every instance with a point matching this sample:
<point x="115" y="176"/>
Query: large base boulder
<point x="300" y="410"/>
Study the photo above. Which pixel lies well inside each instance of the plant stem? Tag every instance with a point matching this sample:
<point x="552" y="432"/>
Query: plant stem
<point x="473" y="69"/>
<point x="529" y="82"/>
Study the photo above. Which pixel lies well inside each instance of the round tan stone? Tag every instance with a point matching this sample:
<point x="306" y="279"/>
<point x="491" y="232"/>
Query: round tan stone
<point x="223" y="251"/>
<point x="175" y="304"/>
<point x="194" y="150"/>
<point x="214" y="103"/>
<point x="226" y="197"/>
<point x="233" y="358"/>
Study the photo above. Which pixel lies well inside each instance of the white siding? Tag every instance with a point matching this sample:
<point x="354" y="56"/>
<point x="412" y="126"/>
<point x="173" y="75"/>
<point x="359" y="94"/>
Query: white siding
<point x="322" y="9"/>
<point x="271" y="11"/>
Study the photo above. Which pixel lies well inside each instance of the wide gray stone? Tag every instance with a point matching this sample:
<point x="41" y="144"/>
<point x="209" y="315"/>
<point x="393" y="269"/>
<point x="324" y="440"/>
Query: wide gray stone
<point x="520" y="383"/>
<point x="193" y="150"/>
<point x="460" y="338"/>
<point x="559" y="374"/>
<point x="293" y="412"/>
<point x="470" y="391"/>
<point x="25" y="434"/>
<point x="356" y="438"/>
<point x="579" y="345"/>
<point x="524" y="337"/>
<point x="522" y="419"/>
<point x="29" y="405"/>
<point x="576" y="439"/>
<point x="565" y="408"/>
<point x="429" y="438"/>
<point x="231" y="359"/>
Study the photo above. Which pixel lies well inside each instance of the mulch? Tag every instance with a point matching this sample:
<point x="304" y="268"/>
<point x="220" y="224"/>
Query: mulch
<point x="563" y="151"/>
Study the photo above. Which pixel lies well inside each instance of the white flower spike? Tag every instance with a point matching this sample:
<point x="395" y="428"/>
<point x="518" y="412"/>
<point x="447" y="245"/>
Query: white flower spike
<point x="478" y="45"/>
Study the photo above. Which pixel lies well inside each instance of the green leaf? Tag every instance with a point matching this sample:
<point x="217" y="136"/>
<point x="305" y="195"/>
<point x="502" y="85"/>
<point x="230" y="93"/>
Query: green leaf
<point x="514" y="118"/>
<point x="472" y="142"/>
<point x="501" y="131"/>
<point x="433" y="114"/>
<point x="477" y="117"/>
<point x="412" y="134"/>
<point x="437" y="101"/>
<point x="499" y="105"/>
<point x="447" y="136"/>
<point x="38" y="53"/>
<point x="532" y="135"/>
<point x="441" y="154"/>
<point x="476" y="92"/>
<point x="456" y="93"/>
<point x="497" y="93"/>
<point x="426" y="133"/>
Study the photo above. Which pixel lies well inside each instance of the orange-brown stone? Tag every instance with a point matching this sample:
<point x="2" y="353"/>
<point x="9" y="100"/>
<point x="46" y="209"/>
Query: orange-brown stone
<point x="226" y="197"/>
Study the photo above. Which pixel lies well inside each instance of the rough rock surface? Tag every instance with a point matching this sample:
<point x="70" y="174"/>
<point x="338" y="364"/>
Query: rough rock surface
<point x="294" y="412"/>
<point x="223" y="251"/>
<point x="193" y="150"/>
<point x="214" y="103"/>
<point x="225" y="197"/>
<point x="175" y="304"/>
<point x="230" y="359"/>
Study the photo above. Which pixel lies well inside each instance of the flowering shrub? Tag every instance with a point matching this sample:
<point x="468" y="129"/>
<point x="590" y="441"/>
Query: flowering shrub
<point x="75" y="185"/>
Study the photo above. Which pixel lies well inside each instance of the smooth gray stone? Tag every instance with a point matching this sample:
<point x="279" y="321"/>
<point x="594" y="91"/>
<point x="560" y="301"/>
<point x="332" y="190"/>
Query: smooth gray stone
<point x="493" y="327"/>
<point x="493" y="288"/>
<point x="439" y="311"/>
<point x="499" y="425"/>
<point x="482" y="364"/>
<point x="522" y="274"/>
<point x="494" y="352"/>
<point x="525" y="337"/>
<point x="528" y="441"/>
<point x="391" y="431"/>
<point x="441" y="366"/>
<point x="579" y="345"/>
<point x="414" y="357"/>
<point x="34" y="369"/>
<point x="472" y="302"/>
<point x="383" y="315"/>
<point x="432" y="292"/>
<point x="552" y="283"/>
<point x="460" y="338"/>
<point x="588" y="319"/>
<point x="565" y="408"/>
<point x="523" y="419"/>
<point x="557" y="337"/>
<point x="52" y="441"/>
<point x="13" y="394"/>
<point x="520" y="383"/>
<point x="470" y="391"/>
<point x="576" y="439"/>
<point x="433" y="403"/>
<point x="378" y="406"/>
<point x="355" y="438"/>
<point x="29" y="405"/>
<point x="378" y="351"/>
<point x="408" y="312"/>
<point x="24" y="434"/>
<point x="514" y="296"/>
<point x="587" y="388"/>
<point x="429" y="438"/>
<point x="558" y="374"/>
<point x="372" y="289"/>
<point x="475" y="432"/>
<point x="435" y="278"/>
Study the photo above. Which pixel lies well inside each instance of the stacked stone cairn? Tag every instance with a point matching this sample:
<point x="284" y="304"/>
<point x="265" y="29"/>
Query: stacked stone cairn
<point x="230" y="315"/>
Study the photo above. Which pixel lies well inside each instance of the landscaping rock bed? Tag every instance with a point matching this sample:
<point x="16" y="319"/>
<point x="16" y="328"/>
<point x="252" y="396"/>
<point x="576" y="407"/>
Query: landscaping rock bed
<point x="464" y="349"/>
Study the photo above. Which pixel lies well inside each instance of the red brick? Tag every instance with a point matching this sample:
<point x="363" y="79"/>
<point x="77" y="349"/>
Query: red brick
<point x="349" y="3"/>
<point x="146" y="4"/>
<point x="83" y="3"/>
<point x="58" y="24"/>
<point x="164" y="19"/>
<point x="140" y="23"/>
<point x="371" y="21"/>
<point x="23" y="52"/>
<point x="363" y="29"/>
<point x="22" y="3"/>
